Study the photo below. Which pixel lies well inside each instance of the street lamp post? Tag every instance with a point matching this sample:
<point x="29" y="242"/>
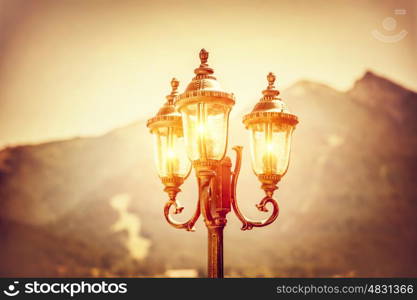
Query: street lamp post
<point x="191" y="130"/>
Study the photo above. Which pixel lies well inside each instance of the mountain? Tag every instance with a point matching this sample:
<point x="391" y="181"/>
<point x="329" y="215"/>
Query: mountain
<point x="94" y="206"/>
<point x="380" y="93"/>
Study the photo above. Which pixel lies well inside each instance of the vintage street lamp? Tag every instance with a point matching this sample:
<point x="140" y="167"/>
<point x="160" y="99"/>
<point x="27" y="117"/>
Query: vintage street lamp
<point x="196" y="125"/>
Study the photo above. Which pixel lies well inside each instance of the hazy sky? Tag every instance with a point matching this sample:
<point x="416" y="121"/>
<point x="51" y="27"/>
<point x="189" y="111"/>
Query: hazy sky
<point x="70" y="68"/>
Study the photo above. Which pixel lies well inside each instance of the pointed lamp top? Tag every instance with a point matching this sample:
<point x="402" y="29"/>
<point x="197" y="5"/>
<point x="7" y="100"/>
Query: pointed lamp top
<point x="270" y="107"/>
<point x="174" y="86"/>
<point x="203" y="56"/>
<point x="270" y="90"/>
<point x="167" y="114"/>
<point x="203" y="69"/>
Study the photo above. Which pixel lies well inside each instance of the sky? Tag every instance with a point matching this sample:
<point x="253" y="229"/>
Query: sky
<point x="79" y="68"/>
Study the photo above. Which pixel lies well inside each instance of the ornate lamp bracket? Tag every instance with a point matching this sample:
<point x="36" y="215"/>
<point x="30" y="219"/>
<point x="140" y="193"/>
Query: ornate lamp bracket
<point x="213" y="194"/>
<point x="172" y="189"/>
<point x="268" y="184"/>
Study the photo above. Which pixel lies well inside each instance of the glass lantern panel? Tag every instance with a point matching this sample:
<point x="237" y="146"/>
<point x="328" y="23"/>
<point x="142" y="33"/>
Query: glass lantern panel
<point x="270" y="148"/>
<point x="171" y="158"/>
<point x="205" y="130"/>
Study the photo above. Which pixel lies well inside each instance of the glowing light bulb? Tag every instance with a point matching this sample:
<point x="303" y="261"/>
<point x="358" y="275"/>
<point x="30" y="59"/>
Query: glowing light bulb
<point x="201" y="129"/>
<point x="270" y="147"/>
<point x="170" y="153"/>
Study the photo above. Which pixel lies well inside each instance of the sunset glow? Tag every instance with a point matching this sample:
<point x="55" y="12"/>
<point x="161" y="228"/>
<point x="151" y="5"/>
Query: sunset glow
<point x="71" y="68"/>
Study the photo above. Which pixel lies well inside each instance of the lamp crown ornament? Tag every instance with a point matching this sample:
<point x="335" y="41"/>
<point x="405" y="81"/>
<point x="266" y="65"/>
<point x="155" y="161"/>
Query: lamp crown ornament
<point x="204" y="69"/>
<point x="270" y="92"/>
<point x="270" y="107"/>
<point x="203" y="56"/>
<point x="167" y="114"/>
<point x="271" y="80"/>
<point x="174" y="85"/>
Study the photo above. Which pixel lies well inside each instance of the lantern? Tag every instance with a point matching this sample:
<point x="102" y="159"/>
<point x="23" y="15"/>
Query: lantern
<point x="171" y="159"/>
<point x="271" y="127"/>
<point x="205" y="109"/>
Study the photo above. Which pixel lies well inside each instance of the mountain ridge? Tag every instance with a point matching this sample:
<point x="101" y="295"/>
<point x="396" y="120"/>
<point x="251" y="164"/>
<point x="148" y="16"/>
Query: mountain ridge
<point x="349" y="191"/>
<point x="304" y="83"/>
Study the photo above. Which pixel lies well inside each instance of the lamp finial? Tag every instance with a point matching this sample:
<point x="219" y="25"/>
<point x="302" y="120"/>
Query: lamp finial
<point x="270" y="91"/>
<point x="271" y="80"/>
<point x="203" y="56"/>
<point x="174" y="85"/>
<point x="203" y="69"/>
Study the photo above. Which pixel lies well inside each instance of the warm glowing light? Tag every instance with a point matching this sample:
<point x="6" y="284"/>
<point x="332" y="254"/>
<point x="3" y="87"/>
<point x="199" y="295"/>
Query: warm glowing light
<point x="166" y="127"/>
<point x="271" y="125"/>
<point x="205" y="130"/>
<point x="205" y="109"/>
<point x="120" y="62"/>
<point x="170" y="156"/>
<point x="270" y="148"/>
<point x="201" y="129"/>
<point x="170" y="153"/>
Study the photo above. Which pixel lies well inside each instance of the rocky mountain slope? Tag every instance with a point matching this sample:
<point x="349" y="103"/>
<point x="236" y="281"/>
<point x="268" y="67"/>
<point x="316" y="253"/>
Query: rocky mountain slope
<point x="348" y="202"/>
